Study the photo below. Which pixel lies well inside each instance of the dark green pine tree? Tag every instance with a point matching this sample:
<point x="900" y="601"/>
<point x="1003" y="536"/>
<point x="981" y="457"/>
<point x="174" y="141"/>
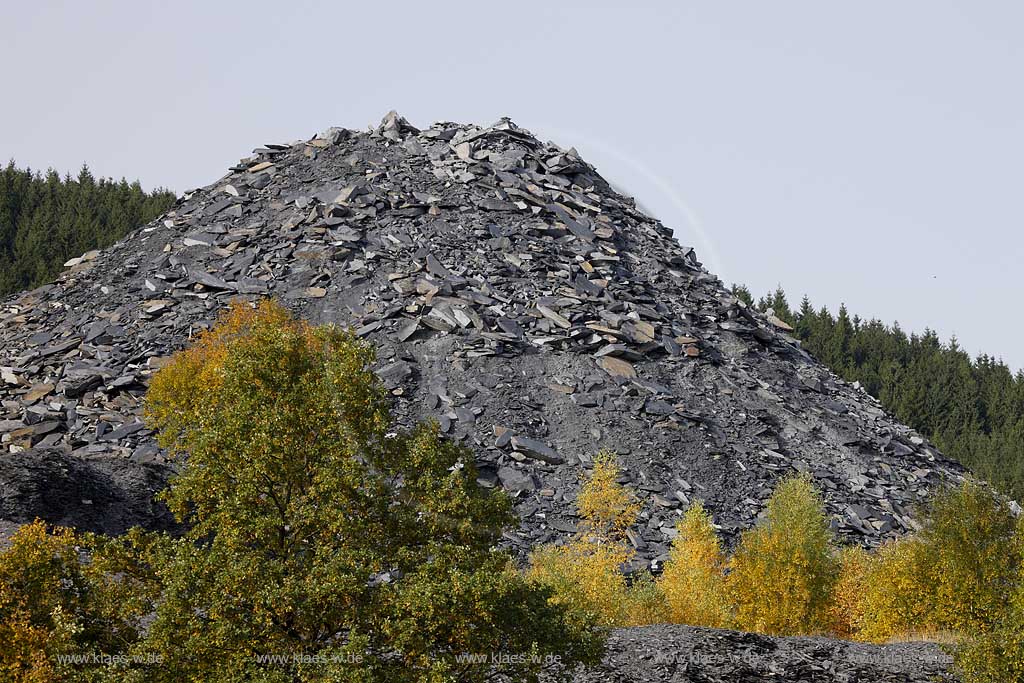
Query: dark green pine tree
<point x="972" y="409"/>
<point x="780" y="306"/>
<point x="804" y="319"/>
<point x="742" y="293"/>
<point x="45" y="220"/>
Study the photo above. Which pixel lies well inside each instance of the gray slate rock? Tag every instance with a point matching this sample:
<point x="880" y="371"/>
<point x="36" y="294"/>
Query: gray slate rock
<point x="504" y="283"/>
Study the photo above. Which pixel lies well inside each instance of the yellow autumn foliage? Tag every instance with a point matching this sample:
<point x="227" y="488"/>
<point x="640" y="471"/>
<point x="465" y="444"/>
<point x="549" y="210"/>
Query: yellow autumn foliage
<point x="845" y="608"/>
<point x="894" y="597"/>
<point x="36" y="624"/>
<point x="183" y="396"/>
<point x="996" y="655"/>
<point x="784" y="569"/>
<point x="606" y="507"/>
<point x="586" y="579"/>
<point x="955" y="575"/>
<point x="53" y="603"/>
<point x="586" y="575"/>
<point x="969" y="557"/>
<point x="693" y="581"/>
<point x="646" y="602"/>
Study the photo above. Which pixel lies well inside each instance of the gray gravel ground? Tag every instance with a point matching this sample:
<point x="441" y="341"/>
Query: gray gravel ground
<point x="684" y="654"/>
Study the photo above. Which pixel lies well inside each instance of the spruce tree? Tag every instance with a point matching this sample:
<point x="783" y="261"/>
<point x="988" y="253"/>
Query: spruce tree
<point x="46" y="219"/>
<point x="973" y="409"/>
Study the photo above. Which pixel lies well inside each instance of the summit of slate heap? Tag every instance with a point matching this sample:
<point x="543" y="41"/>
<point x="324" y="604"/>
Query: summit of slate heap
<point x="511" y="294"/>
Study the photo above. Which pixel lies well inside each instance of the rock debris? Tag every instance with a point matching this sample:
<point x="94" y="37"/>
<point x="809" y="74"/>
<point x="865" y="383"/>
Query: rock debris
<point x="512" y="295"/>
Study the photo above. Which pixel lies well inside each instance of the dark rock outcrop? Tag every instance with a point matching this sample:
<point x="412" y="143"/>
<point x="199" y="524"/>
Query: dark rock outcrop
<point x="108" y="494"/>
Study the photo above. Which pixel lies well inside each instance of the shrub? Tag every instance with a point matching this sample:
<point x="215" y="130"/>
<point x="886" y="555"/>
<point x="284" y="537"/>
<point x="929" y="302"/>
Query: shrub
<point x="693" y="580"/>
<point x="997" y="655"/>
<point x="784" y="569"/>
<point x="54" y="603"/>
<point x="606" y="507"/>
<point x="969" y="557"/>
<point x="645" y="602"/>
<point x="846" y="608"/>
<point x="585" y="578"/>
<point x="315" y="530"/>
<point x="895" y="593"/>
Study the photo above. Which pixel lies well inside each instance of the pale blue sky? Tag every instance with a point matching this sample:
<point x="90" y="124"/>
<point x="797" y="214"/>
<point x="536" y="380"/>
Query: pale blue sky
<point x="867" y="152"/>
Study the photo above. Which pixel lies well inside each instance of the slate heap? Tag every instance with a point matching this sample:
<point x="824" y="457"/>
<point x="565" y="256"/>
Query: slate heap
<point x="685" y="654"/>
<point x="512" y="295"/>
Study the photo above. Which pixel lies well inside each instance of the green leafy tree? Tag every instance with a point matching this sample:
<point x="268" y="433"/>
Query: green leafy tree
<point x="996" y="655"/>
<point x="971" y="559"/>
<point x="318" y="533"/>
